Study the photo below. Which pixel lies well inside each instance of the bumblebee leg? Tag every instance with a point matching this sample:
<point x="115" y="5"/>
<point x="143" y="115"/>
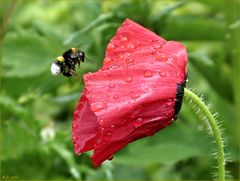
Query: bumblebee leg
<point x="76" y="75"/>
<point x="78" y="64"/>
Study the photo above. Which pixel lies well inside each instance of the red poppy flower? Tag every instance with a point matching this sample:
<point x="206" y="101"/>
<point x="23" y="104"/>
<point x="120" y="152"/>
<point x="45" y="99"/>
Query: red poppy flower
<point x="137" y="92"/>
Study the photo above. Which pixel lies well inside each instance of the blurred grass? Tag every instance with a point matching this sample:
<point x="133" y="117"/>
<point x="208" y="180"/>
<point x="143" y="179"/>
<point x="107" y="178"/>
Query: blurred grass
<point x="36" y="108"/>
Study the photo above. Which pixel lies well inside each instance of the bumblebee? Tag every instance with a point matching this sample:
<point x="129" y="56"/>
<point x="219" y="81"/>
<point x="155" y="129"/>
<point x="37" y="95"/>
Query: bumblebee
<point x="67" y="63"/>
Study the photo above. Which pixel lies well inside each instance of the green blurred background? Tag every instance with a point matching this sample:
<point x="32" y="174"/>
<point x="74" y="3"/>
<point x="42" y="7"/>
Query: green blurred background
<point x="37" y="108"/>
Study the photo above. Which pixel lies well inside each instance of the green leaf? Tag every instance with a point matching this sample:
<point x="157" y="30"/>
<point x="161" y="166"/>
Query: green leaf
<point x="18" y="136"/>
<point x="12" y="107"/>
<point x="164" y="153"/>
<point x="159" y="19"/>
<point x="80" y="36"/>
<point x="68" y="156"/>
<point x="193" y="28"/>
<point x="171" y="145"/>
<point x="26" y="55"/>
<point x="132" y="9"/>
<point x="206" y="66"/>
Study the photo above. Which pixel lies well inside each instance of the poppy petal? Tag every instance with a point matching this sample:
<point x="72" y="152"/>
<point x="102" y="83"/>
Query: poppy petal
<point x="84" y="126"/>
<point x="137" y="92"/>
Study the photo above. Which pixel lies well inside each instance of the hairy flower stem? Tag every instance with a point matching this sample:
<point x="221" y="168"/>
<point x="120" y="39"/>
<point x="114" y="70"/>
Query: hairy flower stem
<point x="188" y="94"/>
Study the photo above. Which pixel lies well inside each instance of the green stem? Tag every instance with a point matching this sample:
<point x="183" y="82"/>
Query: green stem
<point x="215" y="129"/>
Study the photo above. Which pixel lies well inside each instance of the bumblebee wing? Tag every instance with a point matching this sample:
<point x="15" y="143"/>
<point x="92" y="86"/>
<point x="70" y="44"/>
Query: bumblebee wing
<point x="88" y="58"/>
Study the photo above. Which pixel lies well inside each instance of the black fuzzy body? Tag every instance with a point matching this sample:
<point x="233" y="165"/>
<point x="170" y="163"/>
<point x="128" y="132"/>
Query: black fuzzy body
<point x="72" y="59"/>
<point x="179" y="96"/>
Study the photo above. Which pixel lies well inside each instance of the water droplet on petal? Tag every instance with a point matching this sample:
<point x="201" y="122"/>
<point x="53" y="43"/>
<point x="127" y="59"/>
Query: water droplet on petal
<point x="123" y="121"/>
<point x="111" y="85"/>
<point x="138" y="43"/>
<point x="98" y="106"/>
<point x="110" y="158"/>
<point x="154" y="52"/>
<point x="157" y="46"/>
<point x="128" y="79"/>
<point x="110" y="46"/>
<point x="101" y="122"/>
<point x="124" y="39"/>
<point x="129" y="60"/>
<point x="130" y="65"/>
<point x="174" y="57"/>
<point x="74" y="125"/>
<point x="76" y="146"/>
<point x="89" y="89"/>
<point x="98" y="141"/>
<point x="115" y="96"/>
<point x="109" y="133"/>
<point x="120" y="56"/>
<point x="147" y="73"/>
<point x="163" y="74"/>
<point x="113" y="67"/>
<point x="112" y="126"/>
<point x="107" y="59"/>
<point x="125" y="55"/>
<point x="131" y="46"/>
<point x="138" y="122"/>
<point x="182" y="62"/>
<point x="135" y="96"/>
<point x="74" y="138"/>
<point x="102" y="130"/>
<point x="169" y="102"/>
<point x="162" y="42"/>
<point x="133" y="116"/>
<point x="162" y="57"/>
<point x="122" y="46"/>
<point x="174" y="118"/>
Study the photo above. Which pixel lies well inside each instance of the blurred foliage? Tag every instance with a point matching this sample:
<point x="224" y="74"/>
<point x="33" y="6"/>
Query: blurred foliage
<point x="36" y="108"/>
